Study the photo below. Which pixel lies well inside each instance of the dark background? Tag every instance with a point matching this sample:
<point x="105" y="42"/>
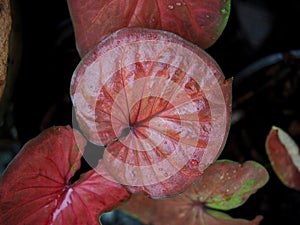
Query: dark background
<point x="260" y="48"/>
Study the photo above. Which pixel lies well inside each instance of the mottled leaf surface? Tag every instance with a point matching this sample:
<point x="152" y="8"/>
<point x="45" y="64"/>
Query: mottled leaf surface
<point x="37" y="186"/>
<point x="284" y="155"/>
<point x="159" y="104"/>
<point x="198" y="21"/>
<point x="227" y="184"/>
<point x="224" y="185"/>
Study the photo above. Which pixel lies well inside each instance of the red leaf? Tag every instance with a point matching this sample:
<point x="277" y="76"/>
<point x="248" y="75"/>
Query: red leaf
<point x="159" y="104"/>
<point x="224" y="185"/>
<point x="36" y="188"/>
<point x="198" y="21"/>
<point x="284" y="155"/>
<point x="177" y="211"/>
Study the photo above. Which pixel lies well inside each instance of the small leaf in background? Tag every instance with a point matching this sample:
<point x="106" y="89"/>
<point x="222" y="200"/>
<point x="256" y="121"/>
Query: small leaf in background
<point x="160" y="105"/>
<point x="198" y="21"/>
<point x="227" y="184"/>
<point x="37" y="186"/>
<point x="224" y="185"/>
<point x="284" y="155"/>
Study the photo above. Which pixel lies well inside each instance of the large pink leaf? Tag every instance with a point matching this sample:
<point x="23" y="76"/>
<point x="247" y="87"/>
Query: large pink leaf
<point x="199" y="21"/>
<point x="159" y="104"/>
<point x="284" y="155"/>
<point x="224" y="185"/>
<point x="37" y="186"/>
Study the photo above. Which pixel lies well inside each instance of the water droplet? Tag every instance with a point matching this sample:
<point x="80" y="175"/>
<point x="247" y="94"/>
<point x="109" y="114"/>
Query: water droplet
<point x="160" y="169"/>
<point x="223" y="11"/>
<point x="201" y="167"/>
<point x="207" y="16"/>
<point x="171" y="6"/>
<point x="234" y="171"/>
<point x="133" y="173"/>
<point x="227" y="190"/>
<point x="166" y="174"/>
<point x="222" y="177"/>
<point x="194" y="162"/>
<point x="178" y="3"/>
<point x="137" y="55"/>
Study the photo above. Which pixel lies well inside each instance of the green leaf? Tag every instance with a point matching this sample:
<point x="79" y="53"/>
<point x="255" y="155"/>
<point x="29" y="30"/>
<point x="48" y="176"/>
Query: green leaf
<point x="227" y="184"/>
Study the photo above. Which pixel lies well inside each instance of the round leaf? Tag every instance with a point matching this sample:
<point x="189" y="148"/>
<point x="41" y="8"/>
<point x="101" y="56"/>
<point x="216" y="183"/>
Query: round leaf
<point x="159" y="104"/>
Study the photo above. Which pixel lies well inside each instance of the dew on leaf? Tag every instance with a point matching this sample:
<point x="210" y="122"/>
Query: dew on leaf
<point x="171" y="6"/>
<point x="201" y="167"/>
<point x="224" y="11"/>
<point x="194" y="162"/>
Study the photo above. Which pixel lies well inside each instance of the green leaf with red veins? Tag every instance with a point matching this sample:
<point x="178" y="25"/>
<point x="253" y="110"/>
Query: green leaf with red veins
<point x="160" y="105"/>
<point x="198" y="21"/>
<point x="284" y="155"/>
<point x="227" y="184"/>
<point x="37" y="186"/>
<point x="224" y="185"/>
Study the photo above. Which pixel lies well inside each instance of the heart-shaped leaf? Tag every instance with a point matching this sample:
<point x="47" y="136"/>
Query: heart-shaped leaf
<point x="37" y="186"/>
<point x="224" y="185"/>
<point x="284" y="155"/>
<point x="198" y="21"/>
<point x="159" y="104"/>
<point x="227" y="184"/>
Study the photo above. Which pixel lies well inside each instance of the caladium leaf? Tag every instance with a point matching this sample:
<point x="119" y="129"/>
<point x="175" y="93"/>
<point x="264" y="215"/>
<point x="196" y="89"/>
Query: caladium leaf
<point x="159" y="104"/>
<point x="227" y="184"/>
<point x="198" y="21"/>
<point x="284" y="155"/>
<point x="224" y="185"/>
<point x="37" y="186"/>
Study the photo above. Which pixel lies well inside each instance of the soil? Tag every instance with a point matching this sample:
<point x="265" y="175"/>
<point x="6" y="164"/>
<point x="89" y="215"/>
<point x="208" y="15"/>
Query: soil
<point x="260" y="48"/>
